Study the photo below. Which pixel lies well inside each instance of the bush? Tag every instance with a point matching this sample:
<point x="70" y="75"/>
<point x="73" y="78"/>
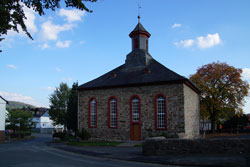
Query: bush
<point x="83" y="134"/>
<point x="59" y="135"/>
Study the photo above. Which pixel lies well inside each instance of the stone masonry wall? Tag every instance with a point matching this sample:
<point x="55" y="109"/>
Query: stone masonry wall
<point x="191" y="114"/>
<point x="175" y="111"/>
<point x="196" y="146"/>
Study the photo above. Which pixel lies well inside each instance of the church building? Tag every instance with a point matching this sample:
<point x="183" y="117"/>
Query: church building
<point x="139" y="99"/>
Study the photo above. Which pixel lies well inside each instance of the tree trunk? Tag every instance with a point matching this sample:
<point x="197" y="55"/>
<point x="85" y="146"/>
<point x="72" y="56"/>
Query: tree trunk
<point x="212" y="120"/>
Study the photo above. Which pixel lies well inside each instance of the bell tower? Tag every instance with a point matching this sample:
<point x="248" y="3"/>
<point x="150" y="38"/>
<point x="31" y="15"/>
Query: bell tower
<point x="139" y="37"/>
<point x="139" y="56"/>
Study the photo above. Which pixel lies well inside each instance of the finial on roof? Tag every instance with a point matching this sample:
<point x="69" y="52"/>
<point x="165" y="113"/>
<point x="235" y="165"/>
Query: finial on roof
<point x="139" y="7"/>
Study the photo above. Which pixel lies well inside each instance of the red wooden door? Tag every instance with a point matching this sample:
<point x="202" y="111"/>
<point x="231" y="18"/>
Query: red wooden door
<point x="135" y="118"/>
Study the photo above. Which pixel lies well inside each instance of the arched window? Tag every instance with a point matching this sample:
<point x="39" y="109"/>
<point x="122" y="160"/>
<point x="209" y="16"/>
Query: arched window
<point x="112" y="112"/>
<point x="160" y="112"/>
<point x="135" y="109"/>
<point x="92" y="113"/>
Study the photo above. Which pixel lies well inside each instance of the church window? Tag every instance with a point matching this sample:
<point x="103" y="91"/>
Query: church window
<point x="160" y="112"/>
<point x="92" y="113"/>
<point x="135" y="109"/>
<point x="112" y="109"/>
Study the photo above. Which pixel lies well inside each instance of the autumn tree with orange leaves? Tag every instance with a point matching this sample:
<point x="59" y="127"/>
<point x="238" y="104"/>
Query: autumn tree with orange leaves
<point x="222" y="91"/>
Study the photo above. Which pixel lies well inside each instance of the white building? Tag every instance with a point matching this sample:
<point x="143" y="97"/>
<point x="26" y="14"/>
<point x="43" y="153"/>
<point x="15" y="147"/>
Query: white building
<point x="3" y="111"/>
<point x="46" y="124"/>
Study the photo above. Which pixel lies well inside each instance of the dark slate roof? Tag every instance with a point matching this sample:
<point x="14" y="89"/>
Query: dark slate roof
<point x="46" y="114"/>
<point x="139" y="27"/>
<point x="153" y="73"/>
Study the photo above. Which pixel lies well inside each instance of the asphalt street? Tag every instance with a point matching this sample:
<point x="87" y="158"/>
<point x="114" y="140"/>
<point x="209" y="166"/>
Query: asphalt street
<point x="35" y="153"/>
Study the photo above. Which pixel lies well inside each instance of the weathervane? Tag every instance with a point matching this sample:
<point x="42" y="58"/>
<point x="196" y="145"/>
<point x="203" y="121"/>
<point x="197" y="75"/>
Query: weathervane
<point x="139" y="7"/>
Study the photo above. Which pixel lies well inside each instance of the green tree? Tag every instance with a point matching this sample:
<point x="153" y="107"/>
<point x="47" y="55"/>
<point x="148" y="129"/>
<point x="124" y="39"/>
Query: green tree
<point x="19" y="120"/>
<point x="58" y="104"/>
<point x="12" y="13"/>
<point x="71" y="115"/>
<point x="222" y="91"/>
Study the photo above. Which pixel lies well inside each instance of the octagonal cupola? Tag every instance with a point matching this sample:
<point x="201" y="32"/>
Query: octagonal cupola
<point x="139" y="37"/>
<point x="139" y="56"/>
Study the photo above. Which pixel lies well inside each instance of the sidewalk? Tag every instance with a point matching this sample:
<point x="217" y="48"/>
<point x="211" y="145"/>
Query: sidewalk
<point x="129" y="153"/>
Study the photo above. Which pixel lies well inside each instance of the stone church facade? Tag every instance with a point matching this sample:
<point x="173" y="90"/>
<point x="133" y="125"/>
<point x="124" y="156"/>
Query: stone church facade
<point x="139" y="99"/>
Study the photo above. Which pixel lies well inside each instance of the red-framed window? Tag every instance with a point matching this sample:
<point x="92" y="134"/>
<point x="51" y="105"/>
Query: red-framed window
<point x="160" y="112"/>
<point x="135" y="109"/>
<point x="92" y="113"/>
<point x="112" y="112"/>
<point x="136" y="43"/>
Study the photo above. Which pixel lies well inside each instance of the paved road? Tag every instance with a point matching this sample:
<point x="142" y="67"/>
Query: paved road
<point x="35" y="153"/>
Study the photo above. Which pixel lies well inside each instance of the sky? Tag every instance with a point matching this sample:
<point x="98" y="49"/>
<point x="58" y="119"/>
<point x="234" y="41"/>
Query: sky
<point x="71" y="45"/>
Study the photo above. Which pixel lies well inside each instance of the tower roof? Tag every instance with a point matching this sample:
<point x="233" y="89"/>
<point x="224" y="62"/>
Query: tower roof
<point x="139" y="29"/>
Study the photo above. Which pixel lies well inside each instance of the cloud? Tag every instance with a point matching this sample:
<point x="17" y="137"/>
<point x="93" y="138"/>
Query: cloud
<point x="44" y="46"/>
<point x="202" y="42"/>
<point x="185" y="43"/>
<point x="67" y="79"/>
<point x="82" y="42"/>
<point x="176" y="25"/>
<point x="30" y="21"/>
<point x="50" y="31"/>
<point x="49" y="88"/>
<point x="58" y="69"/>
<point x="11" y="66"/>
<point x="246" y="73"/>
<point x="72" y="15"/>
<point x="63" y="44"/>
<point x="19" y="98"/>
<point x="209" y="41"/>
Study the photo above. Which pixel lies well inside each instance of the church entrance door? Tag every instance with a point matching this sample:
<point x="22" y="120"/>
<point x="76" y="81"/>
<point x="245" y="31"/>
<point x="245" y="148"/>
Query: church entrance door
<point x="135" y="132"/>
<point x="135" y="118"/>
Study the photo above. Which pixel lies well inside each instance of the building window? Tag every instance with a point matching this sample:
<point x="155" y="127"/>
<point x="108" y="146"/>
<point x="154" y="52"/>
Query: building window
<point x="135" y="106"/>
<point x="147" y="44"/>
<point x="92" y="113"/>
<point x="160" y="112"/>
<point x="136" y="43"/>
<point x="112" y="109"/>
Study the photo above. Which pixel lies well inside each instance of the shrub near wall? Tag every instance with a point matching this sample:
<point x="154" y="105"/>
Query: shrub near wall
<point x="185" y="146"/>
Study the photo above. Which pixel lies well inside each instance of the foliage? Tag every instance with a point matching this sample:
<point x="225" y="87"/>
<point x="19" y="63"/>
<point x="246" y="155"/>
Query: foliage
<point x="71" y="114"/>
<point x="12" y="13"/>
<point x="222" y="91"/>
<point x="60" y="135"/>
<point x="58" y="104"/>
<point x="89" y="143"/>
<point x="237" y="122"/>
<point x="19" y="120"/>
<point x="83" y="134"/>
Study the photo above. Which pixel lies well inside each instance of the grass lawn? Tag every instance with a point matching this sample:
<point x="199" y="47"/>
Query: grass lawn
<point x="90" y="143"/>
<point x="138" y="145"/>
